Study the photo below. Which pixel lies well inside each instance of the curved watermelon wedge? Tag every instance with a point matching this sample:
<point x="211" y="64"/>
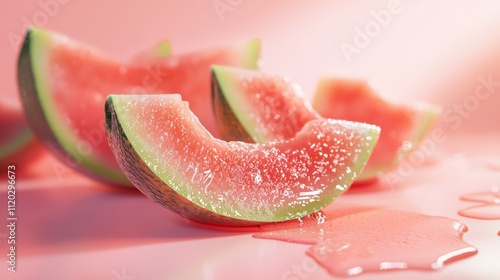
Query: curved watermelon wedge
<point x="175" y="161"/>
<point x="17" y="143"/>
<point x="403" y="126"/>
<point x="64" y="84"/>
<point x="253" y="106"/>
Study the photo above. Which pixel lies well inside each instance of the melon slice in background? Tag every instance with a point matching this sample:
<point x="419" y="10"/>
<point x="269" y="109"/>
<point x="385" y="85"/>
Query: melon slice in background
<point x="171" y="158"/>
<point x="64" y="84"/>
<point x="18" y="145"/>
<point x="403" y="127"/>
<point x="254" y="106"/>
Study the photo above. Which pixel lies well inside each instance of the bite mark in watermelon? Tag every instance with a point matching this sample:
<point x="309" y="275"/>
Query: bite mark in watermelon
<point x="254" y="106"/>
<point x="64" y="84"/>
<point x="175" y="161"/>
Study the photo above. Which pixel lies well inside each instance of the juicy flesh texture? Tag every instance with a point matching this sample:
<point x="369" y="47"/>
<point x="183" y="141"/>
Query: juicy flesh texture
<point x="269" y="182"/>
<point x="355" y="101"/>
<point x="81" y="79"/>
<point x="278" y="103"/>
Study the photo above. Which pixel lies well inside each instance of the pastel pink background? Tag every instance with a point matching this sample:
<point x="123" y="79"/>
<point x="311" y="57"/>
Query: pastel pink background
<point x="73" y="228"/>
<point x="429" y="51"/>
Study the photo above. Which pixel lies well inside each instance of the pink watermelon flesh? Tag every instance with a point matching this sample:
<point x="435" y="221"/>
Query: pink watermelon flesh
<point x="64" y="85"/>
<point x="171" y="158"/>
<point x="260" y="107"/>
<point x="403" y="126"/>
<point x="263" y="107"/>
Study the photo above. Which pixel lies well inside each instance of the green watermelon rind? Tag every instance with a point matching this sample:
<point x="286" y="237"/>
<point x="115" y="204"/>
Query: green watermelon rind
<point x="163" y="49"/>
<point x="235" y="122"/>
<point x="138" y="164"/>
<point x="223" y="89"/>
<point x="253" y="48"/>
<point x="34" y="84"/>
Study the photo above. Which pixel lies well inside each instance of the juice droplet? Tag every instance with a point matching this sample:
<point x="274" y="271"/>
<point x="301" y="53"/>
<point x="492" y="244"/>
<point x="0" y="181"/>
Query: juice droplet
<point x="491" y="196"/>
<point x="489" y="209"/>
<point x="301" y="222"/>
<point x="320" y="217"/>
<point x="380" y="240"/>
<point x="482" y="212"/>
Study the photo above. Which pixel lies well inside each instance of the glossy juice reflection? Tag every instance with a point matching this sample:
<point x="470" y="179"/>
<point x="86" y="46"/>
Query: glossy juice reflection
<point x="379" y="240"/>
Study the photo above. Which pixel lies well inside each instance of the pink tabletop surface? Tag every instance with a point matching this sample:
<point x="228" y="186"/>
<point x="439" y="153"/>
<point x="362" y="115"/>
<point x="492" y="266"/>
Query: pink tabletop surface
<point x="70" y="227"/>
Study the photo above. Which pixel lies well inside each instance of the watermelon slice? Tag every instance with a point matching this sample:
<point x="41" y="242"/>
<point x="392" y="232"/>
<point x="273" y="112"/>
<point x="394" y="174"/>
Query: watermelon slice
<point x="175" y="161"/>
<point x="162" y="49"/>
<point x="403" y="126"/>
<point x="17" y="143"/>
<point x="253" y="106"/>
<point x="64" y="84"/>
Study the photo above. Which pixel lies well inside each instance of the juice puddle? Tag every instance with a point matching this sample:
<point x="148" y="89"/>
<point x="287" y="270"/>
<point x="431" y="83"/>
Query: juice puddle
<point x="379" y="240"/>
<point x="489" y="209"/>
